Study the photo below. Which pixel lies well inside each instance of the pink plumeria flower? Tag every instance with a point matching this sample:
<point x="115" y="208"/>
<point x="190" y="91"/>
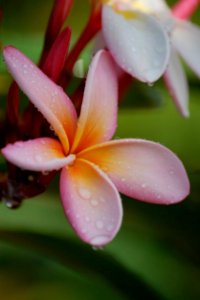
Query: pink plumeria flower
<point x="137" y="32"/>
<point x="93" y="169"/>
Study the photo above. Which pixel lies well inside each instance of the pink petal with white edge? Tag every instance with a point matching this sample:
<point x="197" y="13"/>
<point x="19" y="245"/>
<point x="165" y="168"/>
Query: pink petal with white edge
<point x="186" y="39"/>
<point x="138" y="43"/>
<point x="142" y="169"/>
<point x="91" y="203"/>
<point x="98" y="118"/>
<point x="42" y="154"/>
<point x="48" y="97"/>
<point x="176" y="81"/>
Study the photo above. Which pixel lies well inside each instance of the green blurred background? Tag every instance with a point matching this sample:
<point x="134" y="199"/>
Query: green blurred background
<point x="156" y="253"/>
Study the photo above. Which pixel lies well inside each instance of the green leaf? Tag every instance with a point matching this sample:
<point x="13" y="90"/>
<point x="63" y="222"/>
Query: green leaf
<point x="77" y="257"/>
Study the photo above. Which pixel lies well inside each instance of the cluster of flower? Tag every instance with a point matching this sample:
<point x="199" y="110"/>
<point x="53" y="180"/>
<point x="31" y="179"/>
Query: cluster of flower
<point x="142" y="38"/>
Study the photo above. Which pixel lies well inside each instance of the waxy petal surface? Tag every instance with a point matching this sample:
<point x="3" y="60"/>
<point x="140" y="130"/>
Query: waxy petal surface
<point x="176" y="81"/>
<point x="98" y="117"/>
<point x="186" y="39"/>
<point x="91" y="203"/>
<point x="48" y="97"/>
<point x="42" y="154"/>
<point x="137" y="42"/>
<point x="141" y="169"/>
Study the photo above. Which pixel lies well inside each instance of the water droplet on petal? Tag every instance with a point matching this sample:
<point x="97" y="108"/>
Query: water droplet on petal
<point x="110" y="227"/>
<point x="38" y="158"/>
<point x="99" y="240"/>
<point x="95" y="248"/>
<point x="84" y="230"/>
<point x="99" y="224"/>
<point x="87" y="219"/>
<point x="77" y="216"/>
<point x="84" y="193"/>
<point x="143" y="185"/>
<point x="159" y="49"/>
<point x="102" y="199"/>
<point x="45" y="173"/>
<point x="19" y="144"/>
<point x="94" y="202"/>
<point x="150" y="84"/>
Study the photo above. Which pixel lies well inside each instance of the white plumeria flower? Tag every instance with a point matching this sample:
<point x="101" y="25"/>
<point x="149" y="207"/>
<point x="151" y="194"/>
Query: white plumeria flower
<point x="144" y="38"/>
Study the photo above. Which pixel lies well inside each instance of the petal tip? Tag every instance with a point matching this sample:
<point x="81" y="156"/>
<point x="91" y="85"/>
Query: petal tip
<point x="100" y="240"/>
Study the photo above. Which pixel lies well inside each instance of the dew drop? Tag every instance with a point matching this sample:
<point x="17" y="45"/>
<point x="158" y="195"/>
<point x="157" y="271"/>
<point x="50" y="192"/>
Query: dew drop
<point x="87" y="219"/>
<point x="43" y="142"/>
<point x="158" y="196"/>
<point x="99" y="240"/>
<point x="110" y="227"/>
<point x="159" y="49"/>
<point x="84" y="230"/>
<point x="95" y="248"/>
<point x="94" y="202"/>
<point x="99" y="224"/>
<point x="11" y="203"/>
<point x="102" y="199"/>
<point x="133" y="49"/>
<point x="143" y="185"/>
<point x="77" y="216"/>
<point x="123" y="179"/>
<point x="84" y="193"/>
<point x="45" y="173"/>
<point x="38" y="158"/>
<point x="19" y="144"/>
<point x="156" y="63"/>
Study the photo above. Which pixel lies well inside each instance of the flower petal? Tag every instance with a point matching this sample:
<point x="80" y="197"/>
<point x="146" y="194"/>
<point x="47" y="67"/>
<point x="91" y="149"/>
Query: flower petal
<point x="98" y="116"/>
<point x="91" y="203"/>
<point x="48" y="97"/>
<point x="186" y="39"/>
<point x="176" y="81"/>
<point x="137" y="42"/>
<point x="142" y="169"/>
<point x="42" y="154"/>
<point x="151" y="6"/>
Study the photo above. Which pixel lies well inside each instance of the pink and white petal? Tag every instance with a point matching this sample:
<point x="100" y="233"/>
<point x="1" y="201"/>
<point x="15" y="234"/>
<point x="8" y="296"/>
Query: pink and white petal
<point x="138" y="43"/>
<point x="186" y="39"/>
<point x="42" y="154"/>
<point x="176" y="82"/>
<point x="91" y="203"/>
<point x="48" y="97"/>
<point x="142" y="169"/>
<point x="98" y="117"/>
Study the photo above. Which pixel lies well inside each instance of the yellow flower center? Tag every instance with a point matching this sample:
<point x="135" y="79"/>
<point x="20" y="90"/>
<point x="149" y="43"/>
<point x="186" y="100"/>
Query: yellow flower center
<point x="127" y="7"/>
